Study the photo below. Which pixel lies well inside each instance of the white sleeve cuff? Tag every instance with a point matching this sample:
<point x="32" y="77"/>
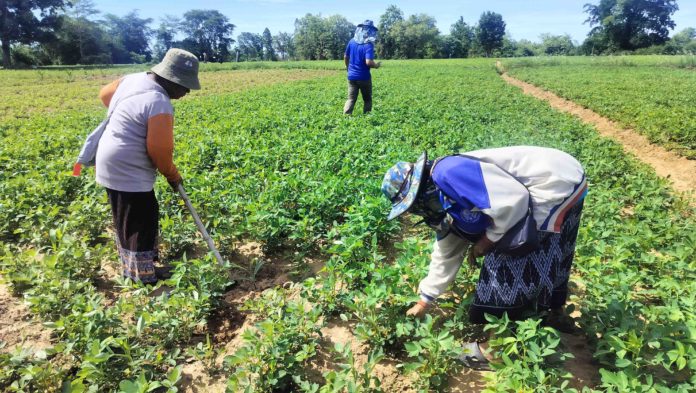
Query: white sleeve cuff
<point x="426" y="298"/>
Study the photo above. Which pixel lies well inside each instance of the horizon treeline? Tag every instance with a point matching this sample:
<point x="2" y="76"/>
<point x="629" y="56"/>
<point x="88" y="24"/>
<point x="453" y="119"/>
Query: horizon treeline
<point x="64" y="32"/>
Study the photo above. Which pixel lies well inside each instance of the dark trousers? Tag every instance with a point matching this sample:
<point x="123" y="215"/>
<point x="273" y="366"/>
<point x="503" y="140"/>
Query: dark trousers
<point x="136" y="221"/>
<point x="365" y="88"/>
<point x="523" y="286"/>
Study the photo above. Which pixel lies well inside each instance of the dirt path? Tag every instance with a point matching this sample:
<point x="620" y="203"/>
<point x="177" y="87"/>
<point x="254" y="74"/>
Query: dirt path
<point x="680" y="171"/>
<point x="17" y="327"/>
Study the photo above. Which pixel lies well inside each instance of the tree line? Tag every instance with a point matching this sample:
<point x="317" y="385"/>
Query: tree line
<point x="46" y="32"/>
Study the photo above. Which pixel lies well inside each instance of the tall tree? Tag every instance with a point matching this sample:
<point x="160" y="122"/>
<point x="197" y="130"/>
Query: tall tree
<point x="526" y="48"/>
<point x="131" y="37"/>
<point x="462" y="36"/>
<point x="81" y="11"/>
<point x="416" y="38"/>
<point x="308" y="36"/>
<point x="208" y="31"/>
<point x="26" y="21"/>
<point x="284" y="45"/>
<point x="557" y="44"/>
<point x="164" y="35"/>
<point x="490" y="32"/>
<point x="509" y="47"/>
<point x="448" y="47"/>
<point x="268" y="52"/>
<point x="682" y="43"/>
<point x="250" y="46"/>
<point x="685" y="36"/>
<point x="80" y="40"/>
<point x="340" y="31"/>
<point x="631" y="24"/>
<point x="318" y="38"/>
<point x="386" y="44"/>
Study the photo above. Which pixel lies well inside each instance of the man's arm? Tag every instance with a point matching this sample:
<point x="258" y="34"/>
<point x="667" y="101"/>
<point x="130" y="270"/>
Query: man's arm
<point x="346" y="60"/>
<point x="372" y="64"/>
<point x="370" y="56"/>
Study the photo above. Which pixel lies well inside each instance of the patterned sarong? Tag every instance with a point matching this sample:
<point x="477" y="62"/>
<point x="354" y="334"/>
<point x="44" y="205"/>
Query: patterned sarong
<point x="524" y="285"/>
<point x="136" y="216"/>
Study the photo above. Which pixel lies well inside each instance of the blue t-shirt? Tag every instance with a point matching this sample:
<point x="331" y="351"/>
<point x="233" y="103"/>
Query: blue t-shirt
<point x="357" y="54"/>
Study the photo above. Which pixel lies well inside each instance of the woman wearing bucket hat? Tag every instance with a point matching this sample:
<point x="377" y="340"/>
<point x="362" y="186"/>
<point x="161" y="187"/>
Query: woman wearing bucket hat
<point x="137" y="142"/>
<point x="479" y="201"/>
<point x="359" y="58"/>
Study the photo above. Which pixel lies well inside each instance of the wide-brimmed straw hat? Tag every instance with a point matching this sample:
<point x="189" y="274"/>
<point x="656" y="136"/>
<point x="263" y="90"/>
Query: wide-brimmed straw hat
<point x="180" y="67"/>
<point x="401" y="184"/>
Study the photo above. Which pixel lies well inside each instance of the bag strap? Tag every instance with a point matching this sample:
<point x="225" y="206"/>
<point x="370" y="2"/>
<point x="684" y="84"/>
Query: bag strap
<point x="121" y="99"/>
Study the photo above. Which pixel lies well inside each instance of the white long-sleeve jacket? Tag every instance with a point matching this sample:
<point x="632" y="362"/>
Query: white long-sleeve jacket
<point x="491" y="193"/>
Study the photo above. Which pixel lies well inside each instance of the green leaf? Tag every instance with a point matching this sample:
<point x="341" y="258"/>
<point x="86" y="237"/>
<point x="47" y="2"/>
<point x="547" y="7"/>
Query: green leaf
<point x="129" y="387"/>
<point x="174" y="374"/>
<point x="681" y="363"/>
<point x="622" y="363"/>
<point x="412" y="348"/>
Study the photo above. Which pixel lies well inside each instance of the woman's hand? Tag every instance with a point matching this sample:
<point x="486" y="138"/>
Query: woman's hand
<point x="418" y="310"/>
<point x="174" y="184"/>
<point x="480" y="248"/>
<point x="471" y="258"/>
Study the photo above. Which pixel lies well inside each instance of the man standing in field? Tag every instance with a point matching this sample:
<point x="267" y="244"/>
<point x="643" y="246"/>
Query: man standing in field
<point x="359" y="58"/>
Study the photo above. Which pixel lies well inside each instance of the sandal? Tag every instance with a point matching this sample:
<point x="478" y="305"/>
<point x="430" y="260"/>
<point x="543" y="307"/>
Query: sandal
<point x="561" y="322"/>
<point x="163" y="272"/>
<point x="473" y="358"/>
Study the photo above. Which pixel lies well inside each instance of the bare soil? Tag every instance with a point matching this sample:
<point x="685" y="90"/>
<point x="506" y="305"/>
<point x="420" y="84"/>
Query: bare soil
<point x="340" y="332"/>
<point x="18" y="327"/>
<point x="229" y="322"/>
<point x="584" y="368"/>
<point x="195" y="379"/>
<point x="680" y="171"/>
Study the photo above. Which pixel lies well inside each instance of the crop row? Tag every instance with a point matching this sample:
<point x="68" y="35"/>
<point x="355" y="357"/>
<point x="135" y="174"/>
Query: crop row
<point x="643" y="93"/>
<point x="280" y="165"/>
<point x="33" y="93"/>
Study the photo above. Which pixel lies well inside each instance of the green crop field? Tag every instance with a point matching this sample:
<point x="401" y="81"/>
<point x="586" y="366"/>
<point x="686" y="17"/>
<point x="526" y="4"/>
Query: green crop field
<point x="272" y="164"/>
<point x="652" y="94"/>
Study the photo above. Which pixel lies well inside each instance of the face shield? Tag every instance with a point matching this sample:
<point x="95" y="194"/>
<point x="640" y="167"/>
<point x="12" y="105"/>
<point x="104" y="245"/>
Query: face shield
<point x="428" y="204"/>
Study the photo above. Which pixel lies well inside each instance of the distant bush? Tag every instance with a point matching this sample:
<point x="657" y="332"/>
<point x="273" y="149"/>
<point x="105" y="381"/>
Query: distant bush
<point x="26" y="56"/>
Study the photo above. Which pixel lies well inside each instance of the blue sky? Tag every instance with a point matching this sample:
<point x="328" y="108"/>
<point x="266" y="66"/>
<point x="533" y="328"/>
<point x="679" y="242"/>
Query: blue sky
<point x="525" y="19"/>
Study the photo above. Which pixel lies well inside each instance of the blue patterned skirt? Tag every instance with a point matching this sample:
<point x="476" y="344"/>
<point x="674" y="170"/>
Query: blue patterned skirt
<point x="136" y="220"/>
<point x="526" y="285"/>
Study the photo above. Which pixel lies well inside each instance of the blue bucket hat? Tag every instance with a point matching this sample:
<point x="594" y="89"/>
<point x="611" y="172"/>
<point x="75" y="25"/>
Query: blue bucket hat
<point x="367" y="23"/>
<point x="401" y="184"/>
<point x="366" y="32"/>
